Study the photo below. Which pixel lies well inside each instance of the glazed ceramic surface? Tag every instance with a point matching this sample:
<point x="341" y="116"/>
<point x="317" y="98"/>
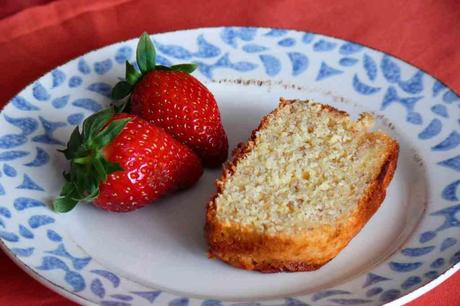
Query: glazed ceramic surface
<point x="157" y="255"/>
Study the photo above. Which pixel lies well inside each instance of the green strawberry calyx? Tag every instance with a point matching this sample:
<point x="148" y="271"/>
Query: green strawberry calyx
<point x="146" y="61"/>
<point x="88" y="167"/>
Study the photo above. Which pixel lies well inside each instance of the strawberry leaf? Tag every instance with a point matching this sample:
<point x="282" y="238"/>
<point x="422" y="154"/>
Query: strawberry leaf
<point x="109" y="133"/>
<point x="187" y="68"/>
<point x="94" y="123"/>
<point x="121" y="90"/>
<point x="132" y="75"/>
<point x="145" y="54"/>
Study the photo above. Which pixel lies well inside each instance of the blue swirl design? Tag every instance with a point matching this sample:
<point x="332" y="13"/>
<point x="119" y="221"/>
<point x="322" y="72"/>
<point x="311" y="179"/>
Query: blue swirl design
<point x="225" y="62"/>
<point x="78" y="263"/>
<point x="50" y="127"/>
<point x="29" y="184"/>
<point x="230" y="36"/>
<point x="390" y="69"/>
<point x="25" y="232"/>
<point x="447" y="243"/>
<point x="27" y="125"/>
<point x="415" y="252"/>
<point x="58" y="77"/>
<point x="60" y="102"/>
<point x="449" y="192"/>
<point x="123" y="54"/>
<point x="276" y="33"/>
<point x="39" y="92"/>
<point x="287" y="42"/>
<point x="348" y="61"/>
<point x="23" y="203"/>
<point x="101" y="88"/>
<point x="431" y="130"/>
<point x="23" y="252"/>
<point x="438" y="86"/>
<point x="74" y="279"/>
<point x="97" y="288"/>
<point x="440" y="110"/>
<point x="83" y="66"/>
<point x="272" y="64"/>
<point x="9" y="170"/>
<point x="451" y="142"/>
<point x="75" y="119"/>
<point x="450" y="218"/>
<point x="370" y="66"/>
<point x="179" y="302"/>
<point x="299" y="62"/>
<point x="414" y="85"/>
<point x="8" y="236"/>
<point x="326" y="71"/>
<point x="349" y="48"/>
<point x="254" y="48"/>
<point x="438" y="263"/>
<point x="427" y="236"/>
<point x="148" y="295"/>
<point x="22" y="104"/>
<point x="405" y="267"/>
<point x="362" y="88"/>
<point x="390" y="295"/>
<point x="452" y="163"/>
<point x="328" y="293"/>
<point x="323" y="45"/>
<point x="37" y="221"/>
<point x="75" y="81"/>
<point x="88" y="104"/>
<point x="41" y="158"/>
<point x="53" y="236"/>
<point x="450" y="97"/>
<point x="115" y="280"/>
<point x="12" y="155"/>
<point x="373" y="291"/>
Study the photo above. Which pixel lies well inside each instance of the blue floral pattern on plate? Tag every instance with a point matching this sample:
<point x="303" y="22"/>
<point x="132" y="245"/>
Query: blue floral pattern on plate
<point x="34" y="235"/>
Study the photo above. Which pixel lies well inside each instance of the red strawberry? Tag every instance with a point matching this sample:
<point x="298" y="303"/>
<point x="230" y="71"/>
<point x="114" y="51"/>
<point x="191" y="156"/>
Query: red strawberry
<point x="176" y="101"/>
<point x="122" y="163"/>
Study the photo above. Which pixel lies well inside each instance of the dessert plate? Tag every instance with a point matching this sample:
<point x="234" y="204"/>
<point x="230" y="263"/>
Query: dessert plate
<point x="157" y="255"/>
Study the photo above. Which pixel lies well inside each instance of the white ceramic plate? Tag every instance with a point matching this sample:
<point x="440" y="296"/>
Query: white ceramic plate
<point x="157" y="255"/>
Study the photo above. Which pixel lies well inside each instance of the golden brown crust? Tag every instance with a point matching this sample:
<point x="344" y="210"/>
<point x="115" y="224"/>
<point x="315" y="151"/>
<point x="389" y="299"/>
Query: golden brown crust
<point x="245" y="248"/>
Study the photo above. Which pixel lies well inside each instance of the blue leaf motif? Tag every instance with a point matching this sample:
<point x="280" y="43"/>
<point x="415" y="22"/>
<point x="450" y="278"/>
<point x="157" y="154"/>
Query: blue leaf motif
<point x="271" y="64"/>
<point x="324" y="294"/>
<point x="60" y="102"/>
<point x="22" y="104"/>
<point x="390" y="69"/>
<point x="39" y="92"/>
<point x="9" y="170"/>
<point x="58" y="77"/>
<point x="103" y="67"/>
<point x="23" y="252"/>
<point x="75" y="119"/>
<point x="123" y="54"/>
<point x="404" y="267"/>
<point x="97" y="288"/>
<point x="411" y="282"/>
<point x="438" y="87"/>
<point x="179" y="302"/>
<point x="253" y="48"/>
<point x="75" y="81"/>
<point x="5" y="212"/>
<point x="350" y="301"/>
<point x="224" y="62"/>
<point x="433" y="129"/>
<point x="88" y="104"/>
<point x="83" y="66"/>
<point x="373" y="291"/>
<point x="75" y="280"/>
<point x="451" y="142"/>
<point x="1" y="222"/>
<point x="26" y="125"/>
<point x="373" y="278"/>
<point x="25" y="232"/>
<point x="49" y="127"/>
<point x="347" y="61"/>
<point x="323" y="45"/>
<point x="148" y="295"/>
<point x="414" y="85"/>
<point x="438" y="263"/>
<point x="11" y="155"/>
<point x="454" y="259"/>
<point x="37" y="221"/>
<point x="326" y="71"/>
<point x="452" y="163"/>
<point x="447" y="243"/>
<point x="2" y="190"/>
<point x="295" y="302"/>
<point x="122" y="297"/>
<point x="205" y="49"/>
<point x="450" y="96"/>
<point x="449" y="192"/>
<point x="440" y="110"/>
<point x="287" y="42"/>
<point x="414" y="118"/>
<point x="431" y="274"/>
<point x="362" y="88"/>
<point x="308" y="38"/>
<point x="349" y="48"/>
<point x="449" y="215"/>
<point x="427" y="236"/>
<point x="414" y="252"/>
<point x="52" y="263"/>
<point x="370" y="66"/>
<point x="8" y="236"/>
<point x="23" y="203"/>
<point x="10" y="141"/>
<point x="276" y="33"/>
<point x="161" y="60"/>
<point x="114" y="303"/>
<point x="299" y="62"/>
<point x="174" y="51"/>
<point x="211" y="303"/>
<point x="41" y="158"/>
<point x="115" y="280"/>
<point x="101" y="88"/>
<point x="29" y="184"/>
<point x="53" y="236"/>
<point x="78" y="263"/>
<point x="389" y="295"/>
<point x="230" y="35"/>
